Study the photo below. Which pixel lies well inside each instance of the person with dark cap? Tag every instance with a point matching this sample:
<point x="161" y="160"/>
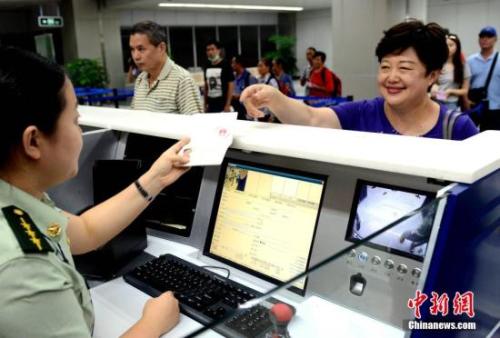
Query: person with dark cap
<point x="243" y="79"/>
<point x="485" y="78"/>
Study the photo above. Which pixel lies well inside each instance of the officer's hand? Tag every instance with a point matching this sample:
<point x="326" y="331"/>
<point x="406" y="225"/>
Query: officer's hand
<point x="258" y="96"/>
<point x="161" y="314"/>
<point x="170" y="165"/>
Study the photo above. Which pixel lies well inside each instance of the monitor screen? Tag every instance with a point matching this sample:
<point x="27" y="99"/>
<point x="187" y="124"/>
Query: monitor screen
<point x="376" y="205"/>
<point x="264" y="220"/>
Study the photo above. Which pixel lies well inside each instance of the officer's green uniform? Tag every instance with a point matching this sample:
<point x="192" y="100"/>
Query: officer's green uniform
<point x="41" y="293"/>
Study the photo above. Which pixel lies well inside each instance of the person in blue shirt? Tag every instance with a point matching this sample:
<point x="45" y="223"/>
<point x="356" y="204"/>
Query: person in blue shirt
<point x="285" y="81"/>
<point x="411" y="55"/>
<point x="480" y="64"/>
<point x="243" y="79"/>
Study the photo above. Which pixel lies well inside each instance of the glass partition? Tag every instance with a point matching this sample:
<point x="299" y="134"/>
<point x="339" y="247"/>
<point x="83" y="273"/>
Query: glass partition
<point x="365" y="287"/>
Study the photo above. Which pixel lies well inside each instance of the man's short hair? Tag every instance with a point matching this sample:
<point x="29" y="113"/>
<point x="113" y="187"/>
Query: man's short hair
<point x="429" y="42"/>
<point x="216" y="43"/>
<point x="321" y="54"/>
<point x="240" y="60"/>
<point x="311" y="48"/>
<point x="154" y="32"/>
<point x="279" y="61"/>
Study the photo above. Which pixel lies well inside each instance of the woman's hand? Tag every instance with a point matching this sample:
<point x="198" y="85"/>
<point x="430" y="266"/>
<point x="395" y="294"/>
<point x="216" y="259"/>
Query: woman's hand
<point x="258" y="96"/>
<point x="171" y="164"/>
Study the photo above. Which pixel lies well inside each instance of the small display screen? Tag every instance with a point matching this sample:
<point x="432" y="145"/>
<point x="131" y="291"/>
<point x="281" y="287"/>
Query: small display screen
<point x="377" y="205"/>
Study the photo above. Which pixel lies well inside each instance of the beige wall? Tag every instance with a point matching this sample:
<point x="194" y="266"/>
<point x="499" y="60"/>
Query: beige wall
<point x="350" y="30"/>
<point x="357" y="26"/>
<point x="466" y="18"/>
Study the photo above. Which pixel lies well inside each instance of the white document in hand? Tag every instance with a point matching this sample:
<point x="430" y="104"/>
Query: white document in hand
<point x="209" y="142"/>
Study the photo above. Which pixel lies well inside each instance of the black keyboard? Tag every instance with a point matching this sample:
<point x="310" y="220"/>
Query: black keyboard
<point x="203" y="295"/>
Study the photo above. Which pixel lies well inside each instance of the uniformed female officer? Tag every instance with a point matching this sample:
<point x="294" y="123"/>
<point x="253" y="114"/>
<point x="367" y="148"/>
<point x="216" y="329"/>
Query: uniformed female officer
<point x="41" y="293"/>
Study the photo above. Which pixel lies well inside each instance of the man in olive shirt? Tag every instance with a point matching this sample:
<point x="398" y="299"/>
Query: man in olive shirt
<point x="163" y="86"/>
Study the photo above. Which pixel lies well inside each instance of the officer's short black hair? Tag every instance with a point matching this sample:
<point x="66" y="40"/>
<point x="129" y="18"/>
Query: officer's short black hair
<point x="428" y="41"/>
<point x="31" y="94"/>
<point x="154" y="32"/>
<point x="321" y="54"/>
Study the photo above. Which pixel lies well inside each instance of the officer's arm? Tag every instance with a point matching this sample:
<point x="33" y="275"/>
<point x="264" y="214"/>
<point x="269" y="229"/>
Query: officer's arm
<point x="99" y="224"/>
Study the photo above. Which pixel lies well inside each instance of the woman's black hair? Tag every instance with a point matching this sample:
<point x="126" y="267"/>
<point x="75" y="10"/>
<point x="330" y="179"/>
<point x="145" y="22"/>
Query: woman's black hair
<point x="268" y="63"/>
<point x="31" y="94"/>
<point x="322" y="55"/>
<point x="458" y="62"/>
<point x="429" y="42"/>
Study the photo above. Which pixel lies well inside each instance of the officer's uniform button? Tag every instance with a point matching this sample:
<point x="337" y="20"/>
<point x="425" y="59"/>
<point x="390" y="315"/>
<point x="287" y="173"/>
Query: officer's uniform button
<point x="54" y="230"/>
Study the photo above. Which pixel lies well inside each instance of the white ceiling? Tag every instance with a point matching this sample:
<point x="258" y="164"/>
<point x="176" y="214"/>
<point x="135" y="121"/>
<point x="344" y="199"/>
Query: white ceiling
<point x="16" y="4"/>
<point x="153" y="4"/>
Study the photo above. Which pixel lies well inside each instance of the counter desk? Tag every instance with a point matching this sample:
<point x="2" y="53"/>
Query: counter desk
<point x="368" y="288"/>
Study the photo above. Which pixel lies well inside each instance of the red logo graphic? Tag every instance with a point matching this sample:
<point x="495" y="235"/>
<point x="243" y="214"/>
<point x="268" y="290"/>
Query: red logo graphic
<point x="416" y="303"/>
<point x="439" y="304"/>
<point x="462" y="303"/>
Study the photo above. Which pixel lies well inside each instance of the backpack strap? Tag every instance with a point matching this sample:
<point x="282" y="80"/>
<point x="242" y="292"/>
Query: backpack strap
<point x="450" y="117"/>
<point x="337" y="90"/>
<point x="324" y="72"/>
<point x="246" y="79"/>
<point x="323" y="75"/>
<point x="490" y="73"/>
<point x="270" y="78"/>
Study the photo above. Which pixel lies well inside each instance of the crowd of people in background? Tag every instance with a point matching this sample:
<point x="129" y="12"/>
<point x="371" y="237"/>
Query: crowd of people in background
<point x="423" y="79"/>
<point x="411" y="56"/>
<point x="464" y="84"/>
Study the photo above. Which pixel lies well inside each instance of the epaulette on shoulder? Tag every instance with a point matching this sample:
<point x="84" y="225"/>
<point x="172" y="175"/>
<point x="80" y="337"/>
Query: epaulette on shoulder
<point x="27" y="233"/>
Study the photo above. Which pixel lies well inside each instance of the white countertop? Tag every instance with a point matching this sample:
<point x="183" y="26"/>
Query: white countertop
<point x="458" y="161"/>
<point x="118" y="306"/>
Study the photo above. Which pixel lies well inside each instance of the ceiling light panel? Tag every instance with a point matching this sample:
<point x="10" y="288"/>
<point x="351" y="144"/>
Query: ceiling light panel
<point x="234" y="7"/>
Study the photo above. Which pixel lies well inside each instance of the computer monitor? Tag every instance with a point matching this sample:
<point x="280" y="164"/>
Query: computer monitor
<point x="376" y="205"/>
<point x="172" y="211"/>
<point x="110" y="260"/>
<point x="264" y="220"/>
